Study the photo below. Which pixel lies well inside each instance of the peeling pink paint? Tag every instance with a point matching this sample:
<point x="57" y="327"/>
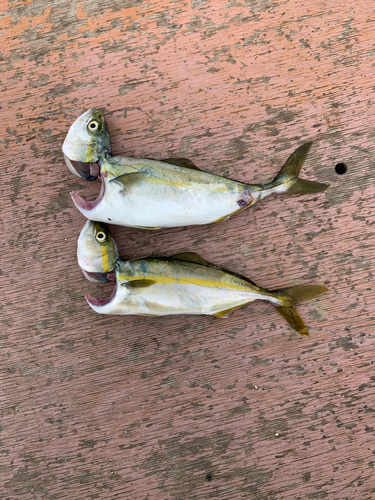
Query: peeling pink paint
<point x="142" y="408"/>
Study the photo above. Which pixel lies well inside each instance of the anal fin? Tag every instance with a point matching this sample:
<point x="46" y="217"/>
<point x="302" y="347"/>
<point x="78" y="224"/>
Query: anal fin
<point x="222" y="219"/>
<point x="226" y="217"/>
<point x="225" y="312"/>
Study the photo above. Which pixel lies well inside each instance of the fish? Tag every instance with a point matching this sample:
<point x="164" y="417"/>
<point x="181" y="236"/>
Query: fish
<point x="152" y="194"/>
<point x="184" y="283"/>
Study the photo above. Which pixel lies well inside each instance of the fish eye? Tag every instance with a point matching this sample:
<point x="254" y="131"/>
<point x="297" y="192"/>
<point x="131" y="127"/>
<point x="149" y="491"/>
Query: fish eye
<point x="100" y="237"/>
<point x="93" y="126"/>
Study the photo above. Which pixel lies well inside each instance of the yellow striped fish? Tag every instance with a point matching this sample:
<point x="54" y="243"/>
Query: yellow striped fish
<point x="182" y="284"/>
<point x="152" y="194"/>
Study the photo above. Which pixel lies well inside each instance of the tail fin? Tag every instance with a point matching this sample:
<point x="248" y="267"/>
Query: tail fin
<point x="292" y="296"/>
<point x="287" y="180"/>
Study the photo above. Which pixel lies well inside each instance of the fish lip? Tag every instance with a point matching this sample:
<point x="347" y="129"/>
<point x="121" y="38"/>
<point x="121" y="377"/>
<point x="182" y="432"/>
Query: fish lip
<point x="94" y="302"/>
<point x="85" y="205"/>
<point x="96" y="277"/>
<point x="111" y="276"/>
<point x="80" y="169"/>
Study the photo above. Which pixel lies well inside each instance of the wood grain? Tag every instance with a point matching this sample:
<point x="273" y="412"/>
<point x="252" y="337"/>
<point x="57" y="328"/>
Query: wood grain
<point x="190" y="407"/>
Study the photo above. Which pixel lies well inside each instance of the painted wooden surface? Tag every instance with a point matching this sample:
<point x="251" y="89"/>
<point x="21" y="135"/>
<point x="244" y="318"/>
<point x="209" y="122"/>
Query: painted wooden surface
<point x="190" y="407"/>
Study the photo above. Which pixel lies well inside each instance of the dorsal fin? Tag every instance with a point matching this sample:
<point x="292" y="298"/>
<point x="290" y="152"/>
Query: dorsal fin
<point x="181" y="162"/>
<point x="192" y="257"/>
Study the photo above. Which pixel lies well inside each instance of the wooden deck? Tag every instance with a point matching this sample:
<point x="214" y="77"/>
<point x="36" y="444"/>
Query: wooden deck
<point x="188" y="408"/>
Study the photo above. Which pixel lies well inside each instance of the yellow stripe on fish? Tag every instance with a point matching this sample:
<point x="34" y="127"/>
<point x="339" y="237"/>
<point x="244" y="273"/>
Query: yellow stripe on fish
<point x="105" y="259"/>
<point x="184" y="281"/>
<point x="131" y="170"/>
<point x="230" y="283"/>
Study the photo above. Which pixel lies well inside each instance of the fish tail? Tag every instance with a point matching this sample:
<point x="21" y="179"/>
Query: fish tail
<point x="290" y="297"/>
<point x="287" y="180"/>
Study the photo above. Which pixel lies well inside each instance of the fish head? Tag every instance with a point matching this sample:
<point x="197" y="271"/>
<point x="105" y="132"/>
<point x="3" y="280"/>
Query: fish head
<point x="87" y="142"/>
<point x="96" y="251"/>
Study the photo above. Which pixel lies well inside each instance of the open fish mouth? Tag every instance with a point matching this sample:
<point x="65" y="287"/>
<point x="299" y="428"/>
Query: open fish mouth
<point x="95" y="303"/>
<point x="96" y="277"/>
<point x="85" y="205"/>
<point x="87" y="171"/>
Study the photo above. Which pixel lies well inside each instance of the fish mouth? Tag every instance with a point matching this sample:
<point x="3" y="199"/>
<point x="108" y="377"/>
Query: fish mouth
<point x="96" y="277"/>
<point x="94" y="302"/>
<point x="82" y="169"/>
<point x="85" y="205"/>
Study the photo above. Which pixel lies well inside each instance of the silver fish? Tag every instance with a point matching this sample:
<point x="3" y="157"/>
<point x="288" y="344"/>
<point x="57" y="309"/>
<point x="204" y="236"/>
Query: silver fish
<point x="152" y="194"/>
<point x="182" y="284"/>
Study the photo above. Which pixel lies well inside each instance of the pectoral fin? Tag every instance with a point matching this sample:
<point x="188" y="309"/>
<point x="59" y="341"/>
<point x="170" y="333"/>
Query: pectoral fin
<point x="138" y="283"/>
<point x="132" y="179"/>
<point x="192" y="257"/>
<point x="181" y="162"/>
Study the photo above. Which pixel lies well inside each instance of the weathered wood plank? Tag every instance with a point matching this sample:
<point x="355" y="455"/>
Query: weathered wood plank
<point x="190" y="407"/>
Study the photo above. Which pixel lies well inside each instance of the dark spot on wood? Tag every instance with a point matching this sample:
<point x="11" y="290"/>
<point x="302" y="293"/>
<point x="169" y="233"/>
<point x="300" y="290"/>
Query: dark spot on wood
<point x="88" y="443"/>
<point x="129" y="86"/>
<point x="341" y="168"/>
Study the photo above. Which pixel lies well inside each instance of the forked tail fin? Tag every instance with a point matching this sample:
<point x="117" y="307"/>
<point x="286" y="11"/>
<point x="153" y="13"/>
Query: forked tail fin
<point x="287" y="180"/>
<point x="291" y="297"/>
